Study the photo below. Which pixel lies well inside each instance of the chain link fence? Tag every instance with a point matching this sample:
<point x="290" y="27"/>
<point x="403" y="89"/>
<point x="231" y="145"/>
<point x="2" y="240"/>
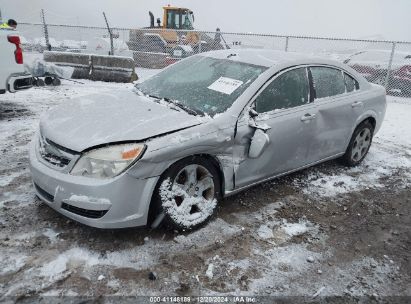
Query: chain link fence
<point x="387" y="63"/>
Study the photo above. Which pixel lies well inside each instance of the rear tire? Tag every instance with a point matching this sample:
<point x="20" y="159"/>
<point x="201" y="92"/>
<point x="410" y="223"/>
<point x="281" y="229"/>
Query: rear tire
<point x="187" y="194"/>
<point x="359" y="144"/>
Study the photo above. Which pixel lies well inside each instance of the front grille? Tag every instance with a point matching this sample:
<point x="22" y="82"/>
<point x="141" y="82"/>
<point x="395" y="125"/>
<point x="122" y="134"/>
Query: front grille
<point x="61" y="162"/>
<point x="84" y="212"/>
<point x="55" y="154"/>
<point x="44" y="193"/>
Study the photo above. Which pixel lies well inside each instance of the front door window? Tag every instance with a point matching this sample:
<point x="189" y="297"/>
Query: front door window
<point x="288" y="90"/>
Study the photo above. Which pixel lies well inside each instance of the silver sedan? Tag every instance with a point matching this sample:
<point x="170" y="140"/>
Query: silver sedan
<point x="168" y="151"/>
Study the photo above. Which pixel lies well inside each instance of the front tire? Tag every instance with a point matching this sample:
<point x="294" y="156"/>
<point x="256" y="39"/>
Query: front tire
<point x="187" y="194"/>
<point x="359" y="145"/>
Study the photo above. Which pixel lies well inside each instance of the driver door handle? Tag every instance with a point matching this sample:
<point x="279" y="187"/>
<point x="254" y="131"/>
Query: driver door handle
<point x="307" y="117"/>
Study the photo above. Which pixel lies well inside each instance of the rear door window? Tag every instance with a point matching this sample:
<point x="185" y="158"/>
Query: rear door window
<point x="288" y="90"/>
<point x="350" y="83"/>
<point x="327" y="81"/>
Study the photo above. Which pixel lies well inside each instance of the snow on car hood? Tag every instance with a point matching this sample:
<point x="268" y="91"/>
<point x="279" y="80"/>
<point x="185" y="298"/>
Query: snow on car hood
<point x="115" y="116"/>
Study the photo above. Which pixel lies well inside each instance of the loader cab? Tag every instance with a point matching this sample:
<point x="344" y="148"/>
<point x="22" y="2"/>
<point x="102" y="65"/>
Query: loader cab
<point x="178" y="18"/>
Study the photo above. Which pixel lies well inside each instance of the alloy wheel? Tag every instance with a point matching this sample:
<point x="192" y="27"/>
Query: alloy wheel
<point x="191" y="197"/>
<point x="361" y="145"/>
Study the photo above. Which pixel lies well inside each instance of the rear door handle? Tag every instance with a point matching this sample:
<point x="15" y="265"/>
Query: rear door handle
<point x="307" y="117"/>
<point x="357" y="104"/>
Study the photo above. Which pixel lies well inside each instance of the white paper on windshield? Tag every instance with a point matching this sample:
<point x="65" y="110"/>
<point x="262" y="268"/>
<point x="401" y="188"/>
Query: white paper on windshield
<point x="225" y="85"/>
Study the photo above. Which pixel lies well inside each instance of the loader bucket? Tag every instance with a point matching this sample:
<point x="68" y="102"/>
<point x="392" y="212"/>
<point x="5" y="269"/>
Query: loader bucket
<point x="95" y="67"/>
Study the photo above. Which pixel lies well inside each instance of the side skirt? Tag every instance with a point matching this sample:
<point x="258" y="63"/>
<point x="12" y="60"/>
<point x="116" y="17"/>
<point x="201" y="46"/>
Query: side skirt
<point x="235" y="191"/>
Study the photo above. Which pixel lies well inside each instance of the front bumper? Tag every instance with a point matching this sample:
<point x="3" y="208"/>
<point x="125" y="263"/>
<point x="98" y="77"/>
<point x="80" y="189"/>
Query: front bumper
<point x="119" y="202"/>
<point x="18" y="82"/>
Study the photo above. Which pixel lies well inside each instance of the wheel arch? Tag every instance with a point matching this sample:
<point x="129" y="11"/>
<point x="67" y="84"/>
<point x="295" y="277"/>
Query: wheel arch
<point x="346" y="157"/>
<point x="371" y="116"/>
<point x="208" y="157"/>
<point x="371" y="119"/>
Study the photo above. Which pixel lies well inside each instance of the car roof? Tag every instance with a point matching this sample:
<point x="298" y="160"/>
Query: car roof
<point x="266" y="57"/>
<point x="276" y="60"/>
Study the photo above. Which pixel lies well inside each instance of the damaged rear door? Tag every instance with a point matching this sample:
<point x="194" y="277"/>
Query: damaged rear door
<point x="339" y="106"/>
<point x="284" y="112"/>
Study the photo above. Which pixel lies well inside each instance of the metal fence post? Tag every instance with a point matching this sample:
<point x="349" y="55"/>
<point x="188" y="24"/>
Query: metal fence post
<point x="110" y="33"/>
<point x="200" y="45"/>
<point x="286" y="43"/>
<point x="387" y="77"/>
<point x="46" y="32"/>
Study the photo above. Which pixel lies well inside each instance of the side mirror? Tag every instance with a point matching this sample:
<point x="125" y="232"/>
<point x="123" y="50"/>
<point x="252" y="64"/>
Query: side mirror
<point x="258" y="144"/>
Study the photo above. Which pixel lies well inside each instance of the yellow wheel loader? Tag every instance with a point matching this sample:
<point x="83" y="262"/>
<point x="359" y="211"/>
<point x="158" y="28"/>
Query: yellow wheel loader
<point x="164" y="43"/>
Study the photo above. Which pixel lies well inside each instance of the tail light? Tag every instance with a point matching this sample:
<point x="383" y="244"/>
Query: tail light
<point x="18" y="53"/>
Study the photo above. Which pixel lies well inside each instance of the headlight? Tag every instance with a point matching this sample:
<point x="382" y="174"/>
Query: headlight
<point x="108" y="161"/>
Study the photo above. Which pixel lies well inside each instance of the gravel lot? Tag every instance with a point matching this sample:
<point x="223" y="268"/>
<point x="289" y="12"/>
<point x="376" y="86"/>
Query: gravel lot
<point x="324" y="231"/>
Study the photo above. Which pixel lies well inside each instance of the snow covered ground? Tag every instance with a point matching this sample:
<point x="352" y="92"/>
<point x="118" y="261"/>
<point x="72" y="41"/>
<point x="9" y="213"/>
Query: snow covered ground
<point x="327" y="230"/>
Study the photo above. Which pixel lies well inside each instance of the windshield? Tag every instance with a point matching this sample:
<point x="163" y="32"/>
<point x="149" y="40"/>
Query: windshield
<point x="202" y="83"/>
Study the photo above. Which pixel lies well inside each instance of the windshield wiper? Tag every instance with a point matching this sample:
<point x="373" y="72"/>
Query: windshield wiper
<point x="138" y="91"/>
<point x="184" y="107"/>
<point x="155" y="97"/>
<point x="177" y="104"/>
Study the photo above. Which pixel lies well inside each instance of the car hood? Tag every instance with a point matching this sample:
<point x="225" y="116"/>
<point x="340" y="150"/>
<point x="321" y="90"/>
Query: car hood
<point x="116" y="116"/>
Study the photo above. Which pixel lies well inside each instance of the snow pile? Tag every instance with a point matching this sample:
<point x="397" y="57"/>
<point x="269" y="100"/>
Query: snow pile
<point x="397" y="125"/>
<point x="215" y="231"/>
<point x="265" y="232"/>
<point x="294" y="229"/>
<point x="16" y="198"/>
<point x="209" y="272"/>
<point x="380" y="163"/>
<point x="51" y="235"/>
<point x="279" y="231"/>
<point x="7" y="179"/>
<point x="38" y="67"/>
<point x="281" y="263"/>
<point x="75" y="256"/>
<point x="139" y="257"/>
<point x="293" y="256"/>
<point x="10" y="264"/>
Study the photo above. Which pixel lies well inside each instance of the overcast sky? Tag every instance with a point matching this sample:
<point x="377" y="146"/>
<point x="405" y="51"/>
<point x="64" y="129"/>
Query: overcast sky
<point x="387" y="19"/>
